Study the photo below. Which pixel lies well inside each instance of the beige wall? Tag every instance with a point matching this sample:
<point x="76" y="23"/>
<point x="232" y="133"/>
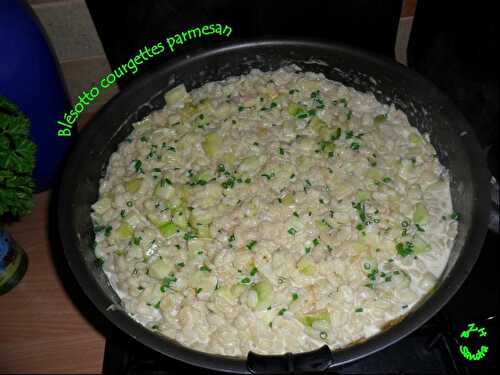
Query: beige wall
<point x="78" y="48"/>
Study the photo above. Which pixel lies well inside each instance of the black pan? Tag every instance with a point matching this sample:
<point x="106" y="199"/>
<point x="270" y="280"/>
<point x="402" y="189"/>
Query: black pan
<point x="427" y="109"/>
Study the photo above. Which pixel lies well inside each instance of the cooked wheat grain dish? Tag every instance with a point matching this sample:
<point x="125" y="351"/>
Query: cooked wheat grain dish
<point x="273" y="212"/>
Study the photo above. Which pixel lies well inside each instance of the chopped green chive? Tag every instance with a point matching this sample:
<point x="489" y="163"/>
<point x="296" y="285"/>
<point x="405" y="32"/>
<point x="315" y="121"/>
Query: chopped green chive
<point x="205" y="269"/>
<point x="404" y="249"/>
<point x="107" y="230"/>
<point x="99" y="261"/>
<point x="251" y="245"/>
<point x="167" y="283"/>
<point x="268" y="175"/>
<point x="188" y="236"/>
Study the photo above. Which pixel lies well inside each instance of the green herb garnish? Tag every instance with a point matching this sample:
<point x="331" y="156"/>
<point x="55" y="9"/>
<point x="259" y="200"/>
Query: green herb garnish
<point x="137" y="166"/>
<point x="251" y="245"/>
<point x="404" y="249"/>
<point x="269" y="176"/>
<point x="204" y="268"/>
<point x="17" y="160"/>
<point x="188" y="236"/>
<point x="167" y="283"/>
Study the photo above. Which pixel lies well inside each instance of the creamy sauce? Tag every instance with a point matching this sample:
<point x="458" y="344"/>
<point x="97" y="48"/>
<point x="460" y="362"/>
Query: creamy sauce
<point x="273" y="212"/>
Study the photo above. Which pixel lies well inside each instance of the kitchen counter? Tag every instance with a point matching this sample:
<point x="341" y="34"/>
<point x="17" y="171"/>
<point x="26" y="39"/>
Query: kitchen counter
<point x="47" y="324"/>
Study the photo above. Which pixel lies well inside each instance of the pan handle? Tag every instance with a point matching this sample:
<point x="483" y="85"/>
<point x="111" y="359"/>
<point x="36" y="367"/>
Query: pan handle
<point x="315" y="361"/>
<point x="493" y="224"/>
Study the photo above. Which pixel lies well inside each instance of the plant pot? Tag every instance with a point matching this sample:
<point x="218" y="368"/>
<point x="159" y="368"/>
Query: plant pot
<point x="13" y="262"/>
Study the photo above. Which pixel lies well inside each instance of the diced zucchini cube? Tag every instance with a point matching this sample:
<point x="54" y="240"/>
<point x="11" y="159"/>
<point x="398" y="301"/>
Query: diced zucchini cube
<point x="415" y="139"/>
<point x="375" y="174"/>
<point x="265" y="294"/>
<point x="225" y="292"/>
<point x="203" y="231"/>
<point x="188" y="112"/>
<point x="420" y="246"/>
<point x="229" y="159"/>
<point x="294" y="109"/>
<point x="362" y="196"/>
<point x="160" y="269"/>
<point x="379" y="119"/>
<point x="237" y="290"/>
<point x="312" y="318"/>
<point x="200" y="216"/>
<point x="421" y="215"/>
<point x="211" y="144"/>
<point x="180" y="217"/>
<point x="154" y="219"/>
<point x="125" y="230"/>
<point x="288" y="199"/>
<point x="168" y="229"/>
<point x="164" y="191"/>
<point x="102" y="205"/>
<point x="204" y="176"/>
<point x="250" y="164"/>
<point x="134" y="185"/>
<point x="176" y="95"/>
<point x="317" y="125"/>
<point x="322" y="226"/>
<point x="306" y="265"/>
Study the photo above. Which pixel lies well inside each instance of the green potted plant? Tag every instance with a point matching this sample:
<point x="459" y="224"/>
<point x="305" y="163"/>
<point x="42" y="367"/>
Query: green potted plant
<point x="17" y="160"/>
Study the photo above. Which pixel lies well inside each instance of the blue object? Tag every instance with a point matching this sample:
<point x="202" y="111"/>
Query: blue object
<point x="31" y="79"/>
<point x="4" y="248"/>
